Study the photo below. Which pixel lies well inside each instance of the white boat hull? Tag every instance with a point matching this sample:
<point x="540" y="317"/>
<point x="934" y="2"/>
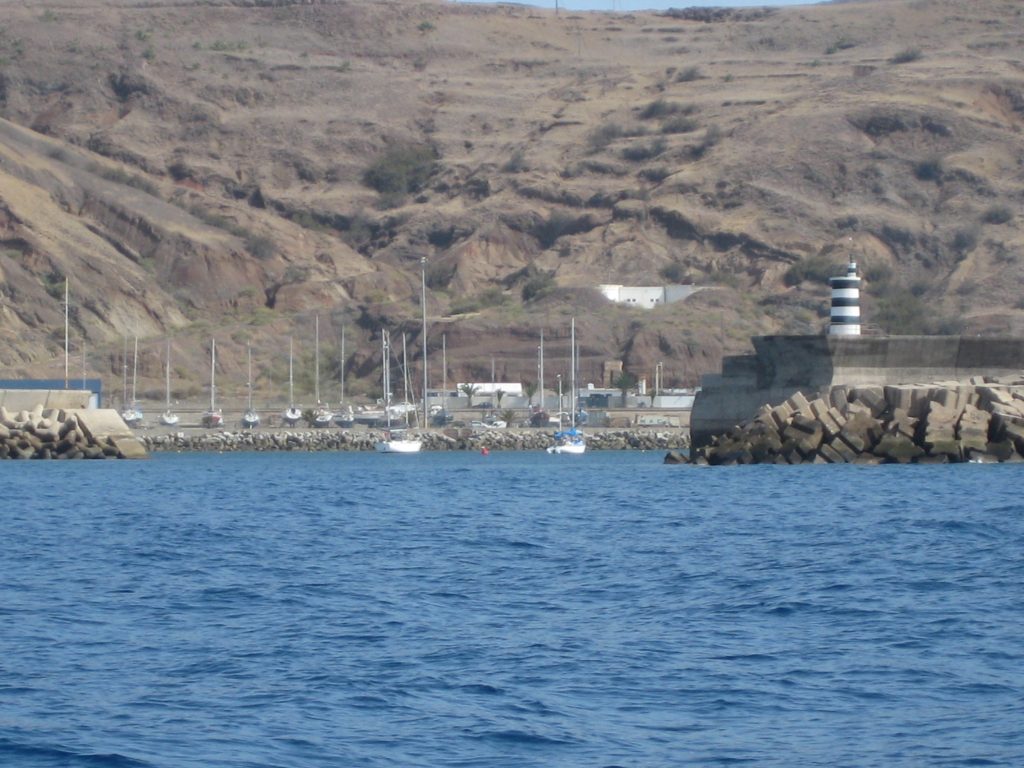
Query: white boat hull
<point x="398" y="446"/>
<point x="132" y="417"/>
<point x="572" y="448"/>
<point x="169" y="419"/>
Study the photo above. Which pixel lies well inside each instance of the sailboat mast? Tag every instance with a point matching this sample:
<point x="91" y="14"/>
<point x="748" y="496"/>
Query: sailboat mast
<point x="124" y="366"/>
<point x="167" y="374"/>
<point x="316" y="358"/>
<point x="444" y="374"/>
<point x="67" y="343"/>
<point x="572" y="360"/>
<point x="386" y="373"/>
<point x="341" y="366"/>
<point x="135" y="369"/>
<point x="405" y="381"/>
<point x="423" y="304"/>
<point x="213" y="369"/>
<point x="249" y="350"/>
<point x="291" y="395"/>
<point x="542" y="369"/>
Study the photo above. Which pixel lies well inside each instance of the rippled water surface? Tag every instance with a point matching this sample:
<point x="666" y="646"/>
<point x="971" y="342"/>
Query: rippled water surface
<point x="510" y="610"/>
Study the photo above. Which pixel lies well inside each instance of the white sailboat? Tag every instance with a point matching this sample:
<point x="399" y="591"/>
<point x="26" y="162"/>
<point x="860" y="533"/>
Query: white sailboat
<point x="394" y="440"/>
<point x="291" y="415"/>
<point x="213" y="417"/>
<point x="321" y="414"/>
<point x="168" y="418"/>
<point x="571" y="440"/>
<point x="131" y="413"/>
<point x="250" y="419"/>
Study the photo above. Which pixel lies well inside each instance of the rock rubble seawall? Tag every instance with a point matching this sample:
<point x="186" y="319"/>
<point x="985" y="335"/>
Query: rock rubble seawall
<point x="981" y="420"/>
<point x="446" y="440"/>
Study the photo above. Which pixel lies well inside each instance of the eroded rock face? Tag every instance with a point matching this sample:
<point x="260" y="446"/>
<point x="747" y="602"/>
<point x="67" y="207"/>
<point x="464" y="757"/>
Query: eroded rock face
<point x="979" y="421"/>
<point x="206" y="166"/>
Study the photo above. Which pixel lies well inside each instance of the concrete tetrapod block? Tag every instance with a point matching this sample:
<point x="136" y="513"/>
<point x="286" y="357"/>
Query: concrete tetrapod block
<point x="873" y="398"/>
<point x="839" y="397"/>
<point x="781" y="414"/>
<point x="830" y="454"/>
<point x="105" y="427"/>
<point x="798" y="403"/>
<point x="845" y="452"/>
<point x="897" y="448"/>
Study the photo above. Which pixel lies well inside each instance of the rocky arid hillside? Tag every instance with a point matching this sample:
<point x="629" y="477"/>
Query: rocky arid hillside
<point x="231" y="169"/>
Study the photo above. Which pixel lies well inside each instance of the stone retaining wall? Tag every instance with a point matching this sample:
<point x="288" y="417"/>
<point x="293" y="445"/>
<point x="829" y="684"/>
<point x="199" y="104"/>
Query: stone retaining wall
<point x="439" y="440"/>
<point x="979" y="420"/>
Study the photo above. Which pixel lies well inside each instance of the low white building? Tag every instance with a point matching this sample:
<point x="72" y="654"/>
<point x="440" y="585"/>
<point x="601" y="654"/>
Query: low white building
<point x="647" y="297"/>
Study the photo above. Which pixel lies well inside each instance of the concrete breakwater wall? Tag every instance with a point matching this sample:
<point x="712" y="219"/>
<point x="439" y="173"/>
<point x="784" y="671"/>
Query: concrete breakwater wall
<point x="433" y="440"/>
<point x="50" y="433"/>
<point x="979" y="420"/>
<point x="784" y="365"/>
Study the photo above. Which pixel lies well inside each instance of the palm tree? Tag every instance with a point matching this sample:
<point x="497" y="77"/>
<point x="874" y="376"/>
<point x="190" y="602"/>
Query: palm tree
<point x="508" y="416"/>
<point x="530" y="388"/>
<point x="625" y="382"/>
<point x="469" y="390"/>
<point x="498" y="394"/>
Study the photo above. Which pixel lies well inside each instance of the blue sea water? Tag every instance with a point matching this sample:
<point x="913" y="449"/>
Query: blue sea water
<point x="516" y="609"/>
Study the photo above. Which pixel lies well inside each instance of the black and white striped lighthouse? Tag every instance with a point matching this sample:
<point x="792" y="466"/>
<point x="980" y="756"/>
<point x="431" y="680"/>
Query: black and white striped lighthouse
<point x="845" y="315"/>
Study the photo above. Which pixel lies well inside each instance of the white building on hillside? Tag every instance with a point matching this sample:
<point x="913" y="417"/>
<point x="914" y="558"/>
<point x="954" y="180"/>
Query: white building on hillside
<point x="647" y="297"/>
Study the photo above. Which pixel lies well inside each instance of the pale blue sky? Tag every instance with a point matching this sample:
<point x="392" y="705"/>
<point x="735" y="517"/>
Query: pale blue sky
<point x="642" y="5"/>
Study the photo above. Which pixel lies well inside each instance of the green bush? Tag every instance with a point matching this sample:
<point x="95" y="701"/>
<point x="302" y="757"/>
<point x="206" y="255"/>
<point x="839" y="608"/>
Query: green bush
<point x="842" y="44"/>
<point x="997" y="214"/>
<point x="538" y="286"/>
<point x="555" y="226"/>
<point x="688" y="75"/>
<point x="604" y="135"/>
<point x="817" y="269"/>
<point x="662" y="108"/>
<point x="679" y="124"/>
<point x="711" y="137"/>
<point x="401" y="170"/>
<point x="516" y="163"/>
<point x="638" y="153"/>
<point x="261" y="247"/>
<point x="965" y="240"/>
<point x="906" y="56"/>
<point x="123" y="177"/>
<point x="901" y="312"/>
<point x="675" y="273"/>
<point x="656" y="175"/>
<point x="929" y="170"/>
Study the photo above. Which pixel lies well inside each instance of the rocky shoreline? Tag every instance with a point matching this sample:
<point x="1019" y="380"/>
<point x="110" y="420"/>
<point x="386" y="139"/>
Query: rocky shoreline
<point x="433" y="440"/>
<point x="981" y="420"/>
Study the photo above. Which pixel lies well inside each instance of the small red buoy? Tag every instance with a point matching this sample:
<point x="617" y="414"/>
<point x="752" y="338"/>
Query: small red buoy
<point x="484" y="451"/>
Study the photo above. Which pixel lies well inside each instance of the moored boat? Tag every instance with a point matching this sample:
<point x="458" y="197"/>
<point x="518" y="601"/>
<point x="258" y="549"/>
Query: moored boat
<point x="214" y="417"/>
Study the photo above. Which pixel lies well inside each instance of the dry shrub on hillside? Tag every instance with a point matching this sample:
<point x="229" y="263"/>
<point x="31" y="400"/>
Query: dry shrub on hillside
<point x="401" y="170"/>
